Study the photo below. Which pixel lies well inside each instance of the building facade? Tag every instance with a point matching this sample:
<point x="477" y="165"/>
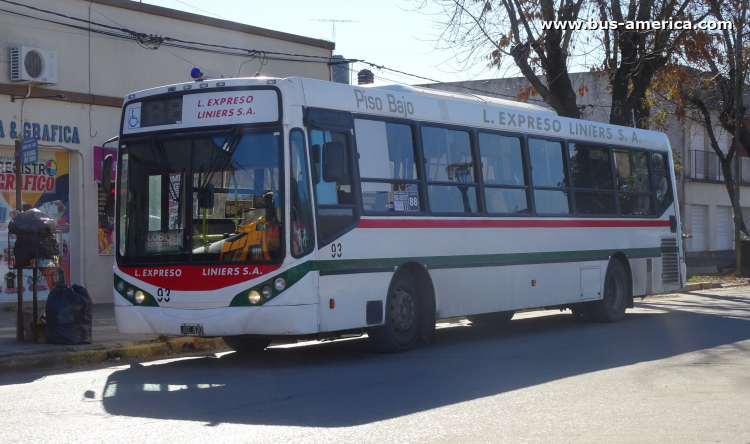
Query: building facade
<point x="705" y="208"/>
<point x="65" y="68"/>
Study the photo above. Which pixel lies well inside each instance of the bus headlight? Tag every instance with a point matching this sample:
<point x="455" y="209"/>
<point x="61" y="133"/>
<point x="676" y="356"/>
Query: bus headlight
<point x="279" y="283"/>
<point x="266" y="292"/>
<point x="130" y="292"/>
<point x="139" y="296"/>
<point x="121" y="286"/>
<point x="254" y="297"/>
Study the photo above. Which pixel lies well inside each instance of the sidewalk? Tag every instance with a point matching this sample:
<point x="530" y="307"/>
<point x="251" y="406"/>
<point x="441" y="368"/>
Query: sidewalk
<point x="107" y="345"/>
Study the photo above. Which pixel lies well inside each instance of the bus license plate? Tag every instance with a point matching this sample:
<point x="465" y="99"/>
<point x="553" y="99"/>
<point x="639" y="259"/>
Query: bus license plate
<point x="191" y="330"/>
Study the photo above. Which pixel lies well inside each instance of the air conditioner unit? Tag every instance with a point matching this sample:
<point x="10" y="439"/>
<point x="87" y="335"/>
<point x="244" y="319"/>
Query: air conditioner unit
<point x="33" y="65"/>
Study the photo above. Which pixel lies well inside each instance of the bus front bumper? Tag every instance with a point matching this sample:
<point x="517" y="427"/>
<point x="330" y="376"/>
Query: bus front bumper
<point x="278" y="320"/>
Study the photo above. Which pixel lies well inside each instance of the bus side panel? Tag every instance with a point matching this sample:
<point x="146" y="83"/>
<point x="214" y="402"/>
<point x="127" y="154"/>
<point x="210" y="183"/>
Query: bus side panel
<point x="350" y="293"/>
<point x="641" y="276"/>
<point x="465" y="291"/>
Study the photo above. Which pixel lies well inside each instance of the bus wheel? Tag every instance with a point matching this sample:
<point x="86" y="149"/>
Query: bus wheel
<point x="403" y="308"/>
<point x="246" y="343"/>
<point x="611" y="308"/>
<point x="494" y="320"/>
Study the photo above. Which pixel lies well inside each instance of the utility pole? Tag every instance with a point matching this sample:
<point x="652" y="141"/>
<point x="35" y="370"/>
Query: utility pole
<point x="19" y="271"/>
<point x="333" y="36"/>
<point x="738" y="77"/>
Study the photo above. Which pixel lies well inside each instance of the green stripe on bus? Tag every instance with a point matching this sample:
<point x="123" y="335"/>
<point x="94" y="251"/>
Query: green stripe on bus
<point x="294" y="274"/>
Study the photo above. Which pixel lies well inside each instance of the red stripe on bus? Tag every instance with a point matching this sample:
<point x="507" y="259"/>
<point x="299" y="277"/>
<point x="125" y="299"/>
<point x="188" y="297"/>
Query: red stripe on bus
<point x="522" y="223"/>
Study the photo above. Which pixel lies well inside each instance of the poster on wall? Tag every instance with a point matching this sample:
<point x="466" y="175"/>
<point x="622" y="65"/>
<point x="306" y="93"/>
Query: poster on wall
<point x="45" y="187"/>
<point x="105" y="233"/>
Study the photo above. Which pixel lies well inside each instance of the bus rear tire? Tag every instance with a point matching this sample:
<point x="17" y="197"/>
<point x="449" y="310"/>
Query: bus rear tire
<point x="403" y="317"/>
<point x="493" y="320"/>
<point x="246" y="343"/>
<point x="611" y="308"/>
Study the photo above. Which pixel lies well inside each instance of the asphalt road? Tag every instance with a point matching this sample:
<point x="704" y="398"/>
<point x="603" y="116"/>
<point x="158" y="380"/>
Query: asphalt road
<point x="676" y="369"/>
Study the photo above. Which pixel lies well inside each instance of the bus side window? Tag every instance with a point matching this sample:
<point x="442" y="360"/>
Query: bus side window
<point x="302" y="240"/>
<point x="662" y="184"/>
<point x="591" y="168"/>
<point x="505" y="186"/>
<point x="387" y="167"/>
<point x="633" y="183"/>
<point x="335" y="200"/>
<point x="548" y="176"/>
<point x="451" y="176"/>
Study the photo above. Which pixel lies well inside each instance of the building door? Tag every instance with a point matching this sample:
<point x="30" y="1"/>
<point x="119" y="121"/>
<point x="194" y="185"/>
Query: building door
<point x="697" y="243"/>
<point x="722" y="228"/>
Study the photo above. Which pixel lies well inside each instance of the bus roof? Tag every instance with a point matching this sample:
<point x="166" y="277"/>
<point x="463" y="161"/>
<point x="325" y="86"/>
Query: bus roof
<point x="430" y="105"/>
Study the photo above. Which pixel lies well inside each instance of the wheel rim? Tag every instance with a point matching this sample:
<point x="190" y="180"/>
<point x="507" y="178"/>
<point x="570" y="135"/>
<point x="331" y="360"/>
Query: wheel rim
<point x="615" y="291"/>
<point x="402" y="310"/>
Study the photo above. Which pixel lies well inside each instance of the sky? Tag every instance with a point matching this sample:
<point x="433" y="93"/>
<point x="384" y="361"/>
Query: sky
<point x="390" y="33"/>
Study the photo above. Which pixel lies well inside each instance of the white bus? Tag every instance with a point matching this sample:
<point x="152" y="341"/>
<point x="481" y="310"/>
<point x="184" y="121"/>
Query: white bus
<point x="256" y="209"/>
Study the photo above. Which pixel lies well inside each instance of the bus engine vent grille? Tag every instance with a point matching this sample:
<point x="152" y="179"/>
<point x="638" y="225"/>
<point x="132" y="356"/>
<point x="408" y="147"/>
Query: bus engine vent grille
<point x="670" y="265"/>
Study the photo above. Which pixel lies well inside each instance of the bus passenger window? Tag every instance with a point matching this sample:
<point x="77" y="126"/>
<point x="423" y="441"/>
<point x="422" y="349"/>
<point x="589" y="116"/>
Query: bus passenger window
<point x="451" y="177"/>
<point x="633" y="183"/>
<point x="548" y="177"/>
<point x="592" y="179"/>
<point x="662" y="184"/>
<point x="387" y="167"/>
<point x="505" y="185"/>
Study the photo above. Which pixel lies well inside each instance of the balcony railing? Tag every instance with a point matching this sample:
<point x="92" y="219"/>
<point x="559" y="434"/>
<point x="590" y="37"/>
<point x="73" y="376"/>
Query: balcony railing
<point x="705" y="165"/>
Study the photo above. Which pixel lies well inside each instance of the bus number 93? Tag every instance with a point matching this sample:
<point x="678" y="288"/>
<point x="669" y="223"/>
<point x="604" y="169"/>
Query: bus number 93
<point x="162" y="294"/>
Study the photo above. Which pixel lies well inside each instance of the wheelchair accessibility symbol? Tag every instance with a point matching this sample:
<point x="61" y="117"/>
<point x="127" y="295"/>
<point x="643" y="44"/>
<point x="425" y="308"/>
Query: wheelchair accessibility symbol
<point x="134" y="119"/>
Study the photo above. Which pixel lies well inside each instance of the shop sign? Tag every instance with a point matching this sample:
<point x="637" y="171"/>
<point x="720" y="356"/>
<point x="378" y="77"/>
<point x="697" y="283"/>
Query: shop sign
<point x="42" y="132"/>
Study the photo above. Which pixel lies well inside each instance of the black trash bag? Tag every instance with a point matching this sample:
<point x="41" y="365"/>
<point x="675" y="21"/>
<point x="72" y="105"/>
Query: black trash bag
<point x="30" y="246"/>
<point x="35" y="238"/>
<point x="69" y="313"/>
<point x="32" y="221"/>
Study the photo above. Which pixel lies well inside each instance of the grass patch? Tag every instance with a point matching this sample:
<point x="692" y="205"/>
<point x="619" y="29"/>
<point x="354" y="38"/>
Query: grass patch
<point x="9" y="308"/>
<point x="695" y="278"/>
<point x="163" y="338"/>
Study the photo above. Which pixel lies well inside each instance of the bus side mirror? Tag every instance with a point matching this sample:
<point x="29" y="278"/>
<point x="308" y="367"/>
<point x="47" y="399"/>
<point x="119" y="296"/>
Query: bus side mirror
<point x="334" y="162"/>
<point x="206" y="197"/>
<point x="107" y="173"/>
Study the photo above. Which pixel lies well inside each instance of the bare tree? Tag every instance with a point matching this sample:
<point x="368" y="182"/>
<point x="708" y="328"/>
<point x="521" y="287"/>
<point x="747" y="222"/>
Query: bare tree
<point x="702" y="82"/>
<point x="629" y="57"/>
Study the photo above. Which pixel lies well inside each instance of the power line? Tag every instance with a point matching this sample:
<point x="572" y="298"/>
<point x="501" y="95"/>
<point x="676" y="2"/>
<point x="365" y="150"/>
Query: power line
<point x="154" y="42"/>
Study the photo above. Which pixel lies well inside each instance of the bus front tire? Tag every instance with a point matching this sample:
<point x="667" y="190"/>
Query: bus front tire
<point x="246" y="343"/>
<point x="611" y="308"/>
<point x="403" y="317"/>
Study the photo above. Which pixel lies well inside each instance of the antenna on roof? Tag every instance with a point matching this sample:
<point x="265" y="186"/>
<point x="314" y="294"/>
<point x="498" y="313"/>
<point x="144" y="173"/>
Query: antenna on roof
<point x="334" y="25"/>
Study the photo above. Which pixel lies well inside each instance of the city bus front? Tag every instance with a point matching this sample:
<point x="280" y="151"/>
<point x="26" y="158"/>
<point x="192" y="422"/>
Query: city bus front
<point x="201" y="215"/>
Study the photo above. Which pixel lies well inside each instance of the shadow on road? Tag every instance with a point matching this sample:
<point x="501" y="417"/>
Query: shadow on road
<point x="342" y="384"/>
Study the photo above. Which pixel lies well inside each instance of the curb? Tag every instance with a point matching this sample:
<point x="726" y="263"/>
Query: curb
<point x="68" y="359"/>
<point x="704" y="286"/>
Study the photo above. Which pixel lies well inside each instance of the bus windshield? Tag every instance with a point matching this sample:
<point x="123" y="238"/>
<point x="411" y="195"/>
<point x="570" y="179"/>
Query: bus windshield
<point x="200" y="197"/>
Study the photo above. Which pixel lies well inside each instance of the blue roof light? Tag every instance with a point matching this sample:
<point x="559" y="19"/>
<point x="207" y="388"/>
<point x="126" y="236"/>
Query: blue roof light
<point x="196" y="73"/>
